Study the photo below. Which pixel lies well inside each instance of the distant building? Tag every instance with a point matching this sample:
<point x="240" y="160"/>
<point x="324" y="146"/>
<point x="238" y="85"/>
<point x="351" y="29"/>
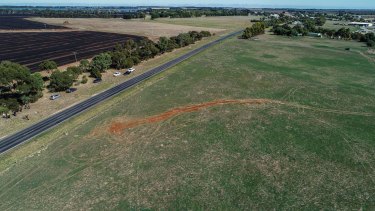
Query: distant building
<point x="360" y="24"/>
<point x="312" y="34"/>
<point x="297" y="23"/>
<point x="275" y="16"/>
<point x="160" y="8"/>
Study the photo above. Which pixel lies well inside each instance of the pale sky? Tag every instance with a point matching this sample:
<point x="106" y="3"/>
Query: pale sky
<point x="350" y="4"/>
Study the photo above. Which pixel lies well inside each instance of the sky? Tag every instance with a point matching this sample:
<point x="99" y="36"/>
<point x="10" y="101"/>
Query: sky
<point x="319" y="4"/>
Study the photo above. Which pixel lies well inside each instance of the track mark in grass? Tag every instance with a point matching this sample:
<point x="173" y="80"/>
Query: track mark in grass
<point x="117" y="127"/>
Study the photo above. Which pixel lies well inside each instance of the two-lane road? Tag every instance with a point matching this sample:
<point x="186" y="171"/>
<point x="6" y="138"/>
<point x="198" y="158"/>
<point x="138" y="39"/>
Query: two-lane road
<point x="24" y="135"/>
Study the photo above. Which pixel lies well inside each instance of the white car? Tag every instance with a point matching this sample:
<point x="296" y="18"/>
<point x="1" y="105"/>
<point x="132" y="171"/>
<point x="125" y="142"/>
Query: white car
<point x="130" y="70"/>
<point x="116" y="74"/>
<point x="54" y="96"/>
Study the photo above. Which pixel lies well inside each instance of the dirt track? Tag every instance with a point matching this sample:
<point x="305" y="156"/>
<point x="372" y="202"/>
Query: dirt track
<point x="118" y="127"/>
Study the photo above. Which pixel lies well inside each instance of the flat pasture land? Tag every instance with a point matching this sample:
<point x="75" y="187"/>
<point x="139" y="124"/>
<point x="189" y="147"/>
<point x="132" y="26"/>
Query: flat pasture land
<point x="221" y="22"/>
<point x="299" y="134"/>
<point x="20" y="23"/>
<point x="339" y="24"/>
<point x="134" y="27"/>
<point x="30" y="49"/>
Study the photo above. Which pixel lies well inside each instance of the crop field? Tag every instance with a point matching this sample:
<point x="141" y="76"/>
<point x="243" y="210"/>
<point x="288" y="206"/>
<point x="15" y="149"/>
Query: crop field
<point x="31" y="49"/>
<point x="278" y="123"/>
<point x="19" y="23"/>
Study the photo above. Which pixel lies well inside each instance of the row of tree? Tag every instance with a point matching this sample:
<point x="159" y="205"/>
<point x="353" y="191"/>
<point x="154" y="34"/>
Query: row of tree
<point x="131" y="53"/>
<point x="342" y="33"/>
<point x="255" y="30"/>
<point x="19" y="88"/>
<point x="189" y="13"/>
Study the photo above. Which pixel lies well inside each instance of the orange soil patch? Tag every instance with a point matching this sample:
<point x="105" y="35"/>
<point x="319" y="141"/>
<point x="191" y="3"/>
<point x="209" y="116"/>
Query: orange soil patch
<point x="118" y="127"/>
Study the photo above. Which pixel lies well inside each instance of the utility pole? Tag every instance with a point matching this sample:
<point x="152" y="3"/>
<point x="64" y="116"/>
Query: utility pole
<point x="75" y="55"/>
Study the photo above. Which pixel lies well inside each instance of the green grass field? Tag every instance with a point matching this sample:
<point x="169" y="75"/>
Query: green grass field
<point x="339" y="24"/>
<point x="309" y="145"/>
<point x="221" y="22"/>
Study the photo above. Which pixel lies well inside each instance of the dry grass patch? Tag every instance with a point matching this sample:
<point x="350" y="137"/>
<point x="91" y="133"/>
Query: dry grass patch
<point x="152" y="30"/>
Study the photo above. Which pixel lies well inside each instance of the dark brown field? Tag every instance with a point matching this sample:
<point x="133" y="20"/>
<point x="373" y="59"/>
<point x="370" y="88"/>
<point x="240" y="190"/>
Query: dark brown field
<point x="30" y="49"/>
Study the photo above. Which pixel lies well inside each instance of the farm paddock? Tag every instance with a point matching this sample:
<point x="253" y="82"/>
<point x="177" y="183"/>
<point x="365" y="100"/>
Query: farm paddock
<point x="30" y="49"/>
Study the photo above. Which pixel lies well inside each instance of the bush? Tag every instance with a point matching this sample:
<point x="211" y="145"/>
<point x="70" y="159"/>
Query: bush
<point x="95" y="73"/>
<point x="206" y="34"/>
<point x="84" y="65"/>
<point x="371" y="43"/>
<point x="84" y="79"/>
<point x="48" y="65"/>
<point x="74" y="72"/>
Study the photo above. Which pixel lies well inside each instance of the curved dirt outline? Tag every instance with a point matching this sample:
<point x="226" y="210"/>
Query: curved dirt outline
<point x="117" y="127"/>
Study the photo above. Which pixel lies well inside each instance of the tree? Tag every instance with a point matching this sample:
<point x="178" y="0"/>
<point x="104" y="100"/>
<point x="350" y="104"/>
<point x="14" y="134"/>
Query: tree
<point x="74" y="71"/>
<point x="163" y="44"/>
<point x="119" y="57"/>
<point x="84" y="65"/>
<point x="20" y="86"/>
<point x="371" y="43"/>
<point x="4" y="111"/>
<point x="60" y="81"/>
<point x="255" y="30"/>
<point x="320" y="21"/>
<point x="95" y="73"/>
<point x="13" y="74"/>
<point x="344" y="33"/>
<point x="48" y="65"/>
<point x="147" y="49"/>
<point x="101" y="62"/>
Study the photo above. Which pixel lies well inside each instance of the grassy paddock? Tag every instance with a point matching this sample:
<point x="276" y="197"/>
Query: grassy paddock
<point x="221" y="22"/>
<point x="314" y="149"/>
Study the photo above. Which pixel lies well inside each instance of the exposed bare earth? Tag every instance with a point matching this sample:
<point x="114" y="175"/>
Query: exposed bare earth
<point x="153" y="30"/>
<point x="118" y="127"/>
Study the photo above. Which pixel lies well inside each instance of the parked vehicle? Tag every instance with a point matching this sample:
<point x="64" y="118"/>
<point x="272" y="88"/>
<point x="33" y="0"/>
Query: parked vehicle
<point x="71" y="90"/>
<point x="130" y="70"/>
<point x="116" y="74"/>
<point x="54" y="96"/>
<point x="97" y="80"/>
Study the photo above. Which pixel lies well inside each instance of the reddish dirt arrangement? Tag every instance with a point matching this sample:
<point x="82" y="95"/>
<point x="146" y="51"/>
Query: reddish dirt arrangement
<point x="119" y="127"/>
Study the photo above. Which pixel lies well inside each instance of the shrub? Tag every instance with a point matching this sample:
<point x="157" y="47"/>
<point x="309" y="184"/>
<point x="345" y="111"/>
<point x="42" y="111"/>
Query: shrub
<point x="48" y="65"/>
<point x="371" y="43"/>
<point x="84" y="79"/>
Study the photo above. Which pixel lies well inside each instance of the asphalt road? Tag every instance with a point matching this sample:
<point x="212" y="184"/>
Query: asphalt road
<point x="24" y="135"/>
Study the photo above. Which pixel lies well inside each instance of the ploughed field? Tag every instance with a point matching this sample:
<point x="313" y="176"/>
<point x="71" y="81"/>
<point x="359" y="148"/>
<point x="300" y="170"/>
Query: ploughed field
<point x="19" y="23"/>
<point x="30" y="49"/>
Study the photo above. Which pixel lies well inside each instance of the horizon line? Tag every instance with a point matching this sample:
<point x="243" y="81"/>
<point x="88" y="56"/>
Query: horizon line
<point x="234" y="6"/>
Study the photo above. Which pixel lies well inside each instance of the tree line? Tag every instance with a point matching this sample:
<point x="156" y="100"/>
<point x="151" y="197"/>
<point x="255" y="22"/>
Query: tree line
<point x="118" y="13"/>
<point x="189" y="13"/>
<point x="309" y="25"/>
<point x="19" y="88"/>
